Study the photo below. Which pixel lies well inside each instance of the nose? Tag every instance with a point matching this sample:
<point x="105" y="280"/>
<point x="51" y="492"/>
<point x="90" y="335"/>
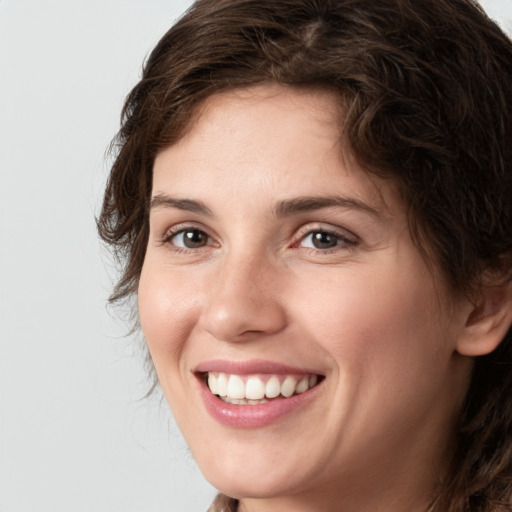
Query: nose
<point x="244" y="302"/>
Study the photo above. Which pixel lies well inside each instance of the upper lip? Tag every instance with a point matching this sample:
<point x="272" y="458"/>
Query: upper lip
<point x="250" y="367"/>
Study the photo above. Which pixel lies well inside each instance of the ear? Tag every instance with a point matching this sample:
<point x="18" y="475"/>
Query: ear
<point x="488" y="321"/>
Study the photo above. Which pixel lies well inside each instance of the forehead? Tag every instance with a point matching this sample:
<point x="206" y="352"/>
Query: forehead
<point x="247" y="138"/>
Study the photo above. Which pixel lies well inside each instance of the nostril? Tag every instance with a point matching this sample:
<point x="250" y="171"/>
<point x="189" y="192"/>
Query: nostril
<point x="242" y="306"/>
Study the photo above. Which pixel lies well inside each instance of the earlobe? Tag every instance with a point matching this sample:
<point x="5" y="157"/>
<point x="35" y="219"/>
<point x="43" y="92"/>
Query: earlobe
<point x="488" y="321"/>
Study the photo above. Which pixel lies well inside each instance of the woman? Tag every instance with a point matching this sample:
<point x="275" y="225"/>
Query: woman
<point x="311" y="199"/>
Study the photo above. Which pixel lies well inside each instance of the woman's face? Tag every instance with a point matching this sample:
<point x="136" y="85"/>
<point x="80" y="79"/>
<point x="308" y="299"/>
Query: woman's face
<point x="285" y="275"/>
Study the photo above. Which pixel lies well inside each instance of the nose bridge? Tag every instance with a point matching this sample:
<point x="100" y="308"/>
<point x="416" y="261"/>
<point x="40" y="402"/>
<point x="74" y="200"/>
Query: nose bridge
<point x="243" y="301"/>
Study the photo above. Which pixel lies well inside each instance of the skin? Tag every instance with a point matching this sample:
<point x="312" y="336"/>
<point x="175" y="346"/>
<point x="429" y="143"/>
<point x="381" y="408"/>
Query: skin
<point x="366" y="312"/>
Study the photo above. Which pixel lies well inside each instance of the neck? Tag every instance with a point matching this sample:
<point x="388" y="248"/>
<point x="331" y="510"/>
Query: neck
<point x="335" y="503"/>
<point x="408" y="488"/>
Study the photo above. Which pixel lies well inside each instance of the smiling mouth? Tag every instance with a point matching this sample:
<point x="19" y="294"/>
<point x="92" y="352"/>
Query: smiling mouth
<point x="258" y="389"/>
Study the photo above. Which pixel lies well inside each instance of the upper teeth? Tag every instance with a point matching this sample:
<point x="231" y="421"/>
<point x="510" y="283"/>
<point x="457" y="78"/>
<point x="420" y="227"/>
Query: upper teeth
<point x="254" y="387"/>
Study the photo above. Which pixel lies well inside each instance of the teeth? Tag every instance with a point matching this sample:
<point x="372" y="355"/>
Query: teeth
<point x="241" y="401"/>
<point x="273" y="387"/>
<point x="253" y="389"/>
<point x="303" y="385"/>
<point x="288" y="387"/>
<point x="222" y="384"/>
<point x="236" y="387"/>
<point x="213" y="384"/>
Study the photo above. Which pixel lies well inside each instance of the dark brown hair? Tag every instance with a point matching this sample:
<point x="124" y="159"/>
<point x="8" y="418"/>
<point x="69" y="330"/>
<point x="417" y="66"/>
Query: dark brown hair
<point x="426" y="86"/>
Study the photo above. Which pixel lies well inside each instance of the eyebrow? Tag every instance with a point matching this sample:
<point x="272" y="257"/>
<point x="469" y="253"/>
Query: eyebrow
<point x="303" y="204"/>
<point x="283" y="208"/>
<point x="189" y="205"/>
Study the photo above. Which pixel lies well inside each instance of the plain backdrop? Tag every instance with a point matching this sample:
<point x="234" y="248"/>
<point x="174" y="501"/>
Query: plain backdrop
<point x="75" y="435"/>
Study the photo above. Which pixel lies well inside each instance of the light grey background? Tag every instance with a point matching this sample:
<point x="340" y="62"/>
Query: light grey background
<point x="74" y="436"/>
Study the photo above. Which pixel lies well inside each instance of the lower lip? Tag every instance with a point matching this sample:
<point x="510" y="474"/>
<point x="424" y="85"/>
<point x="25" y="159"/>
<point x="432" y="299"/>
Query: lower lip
<point x="253" y="416"/>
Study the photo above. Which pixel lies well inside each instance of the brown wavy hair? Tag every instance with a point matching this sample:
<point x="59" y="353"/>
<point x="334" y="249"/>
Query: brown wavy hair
<point x="427" y="90"/>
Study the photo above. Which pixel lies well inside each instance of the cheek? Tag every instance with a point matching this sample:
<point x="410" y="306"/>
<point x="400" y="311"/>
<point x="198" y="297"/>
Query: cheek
<point x="166" y="314"/>
<point x="387" y="346"/>
<point x="379" y="323"/>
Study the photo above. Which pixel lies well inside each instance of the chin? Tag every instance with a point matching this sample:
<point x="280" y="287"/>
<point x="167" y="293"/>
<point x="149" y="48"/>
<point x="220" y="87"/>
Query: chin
<point x="250" y="482"/>
<point x="254" y="473"/>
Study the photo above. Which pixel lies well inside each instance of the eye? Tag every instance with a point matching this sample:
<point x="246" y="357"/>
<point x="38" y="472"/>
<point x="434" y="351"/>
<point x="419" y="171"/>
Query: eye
<point x="323" y="240"/>
<point x="189" y="239"/>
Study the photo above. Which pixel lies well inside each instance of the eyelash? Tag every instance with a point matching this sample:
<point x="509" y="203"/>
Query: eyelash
<point x="343" y="242"/>
<point x="170" y="237"/>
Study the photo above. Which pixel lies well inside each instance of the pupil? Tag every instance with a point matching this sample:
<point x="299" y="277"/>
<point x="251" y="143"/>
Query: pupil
<point x="322" y="240"/>
<point x="193" y="239"/>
